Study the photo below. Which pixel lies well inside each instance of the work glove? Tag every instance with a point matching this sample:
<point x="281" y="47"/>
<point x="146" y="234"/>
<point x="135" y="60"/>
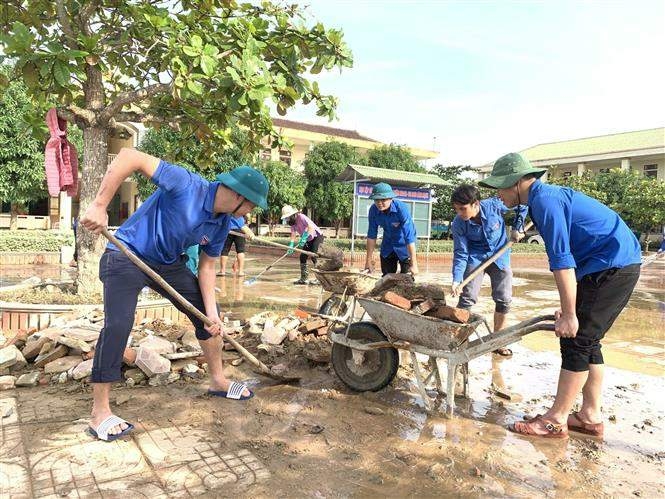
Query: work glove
<point x="516" y="235"/>
<point x="303" y="239"/>
<point x="292" y="245"/>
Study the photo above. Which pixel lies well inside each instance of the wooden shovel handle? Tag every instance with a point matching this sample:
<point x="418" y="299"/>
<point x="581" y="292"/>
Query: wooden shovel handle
<point x="279" y="245"/>
<point x="490" y="260"/>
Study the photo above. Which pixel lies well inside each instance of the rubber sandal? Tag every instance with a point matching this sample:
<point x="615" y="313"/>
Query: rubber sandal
<point x="102" y="431"/>
<point x="526" y="428"/>
<point x="234" y="392"/>
<point x="504" y="352"/>
<point x="579" y="426"/>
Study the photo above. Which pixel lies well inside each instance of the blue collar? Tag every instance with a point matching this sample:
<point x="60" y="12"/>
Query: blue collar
<point x="209" y="204"/>
<point x="533" y="190"/>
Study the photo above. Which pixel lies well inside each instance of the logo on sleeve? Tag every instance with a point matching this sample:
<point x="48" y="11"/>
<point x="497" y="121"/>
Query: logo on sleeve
<point x="395" y="224"/>
<point x="204" y="240"/>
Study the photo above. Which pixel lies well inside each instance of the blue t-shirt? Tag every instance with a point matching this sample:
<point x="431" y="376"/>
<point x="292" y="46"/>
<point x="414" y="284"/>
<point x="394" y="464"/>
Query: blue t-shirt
<point x="237" y="223"/>
<point x="580" y="232"/>
<point x="474" y="243"/>
<point x="179" y="214"/>
<point x="398" y="229"/>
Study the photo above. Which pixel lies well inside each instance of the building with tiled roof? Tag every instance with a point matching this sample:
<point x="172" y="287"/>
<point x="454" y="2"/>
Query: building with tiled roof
<point x="641" y="150"/>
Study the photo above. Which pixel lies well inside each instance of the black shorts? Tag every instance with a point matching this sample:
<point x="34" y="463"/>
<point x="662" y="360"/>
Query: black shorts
<point x="389" y="264"/>
<point x="601" y="296"/>
<point x="230" y="241"/>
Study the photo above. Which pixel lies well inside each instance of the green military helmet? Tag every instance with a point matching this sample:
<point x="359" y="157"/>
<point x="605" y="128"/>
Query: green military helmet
<point x="382" y="191"/>
<point x="507" y="171"/>
<point x="248" y="182"/>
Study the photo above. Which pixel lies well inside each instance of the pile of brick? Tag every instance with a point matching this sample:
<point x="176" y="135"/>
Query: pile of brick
<point x="158" y="352"/>
<point x="401" y="291"/>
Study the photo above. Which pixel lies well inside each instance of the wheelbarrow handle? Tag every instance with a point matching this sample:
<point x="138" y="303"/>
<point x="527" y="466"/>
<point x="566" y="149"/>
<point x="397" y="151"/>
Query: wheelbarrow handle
<point x="185" y="303"/>
<point x="273" y="243"/>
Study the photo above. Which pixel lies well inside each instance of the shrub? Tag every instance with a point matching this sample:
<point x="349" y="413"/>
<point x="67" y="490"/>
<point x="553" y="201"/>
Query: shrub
<point x="34" y="240"/>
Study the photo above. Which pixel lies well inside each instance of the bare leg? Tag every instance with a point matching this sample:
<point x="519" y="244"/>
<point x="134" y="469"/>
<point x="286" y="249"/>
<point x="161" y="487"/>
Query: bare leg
<point x="222" y="264"/>
<point x="241" y="263"/>
<point x="212" y="350"/>
<point x="101" y="408"/>
<point x="499" y="324"/>
<point x="591" y="394"/>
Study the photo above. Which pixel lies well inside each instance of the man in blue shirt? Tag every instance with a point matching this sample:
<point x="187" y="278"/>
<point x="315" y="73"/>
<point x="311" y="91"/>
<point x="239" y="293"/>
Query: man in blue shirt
<point x="185" y="210"/>
<point x="595" y="259"/>
<point x="479" y="231"/>
<point x="399" y="233"/>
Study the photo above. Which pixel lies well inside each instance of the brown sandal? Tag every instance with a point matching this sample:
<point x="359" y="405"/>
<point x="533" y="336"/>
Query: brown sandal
<point x="527" y="428"/>
<point x="593" y="429"/>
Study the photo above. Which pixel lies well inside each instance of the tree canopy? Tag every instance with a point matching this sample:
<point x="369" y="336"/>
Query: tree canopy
<point x="327" y="199"/>
<point x="394" y="157"/>
<point x="287" y="186"/>
<point x="199" y="67"/>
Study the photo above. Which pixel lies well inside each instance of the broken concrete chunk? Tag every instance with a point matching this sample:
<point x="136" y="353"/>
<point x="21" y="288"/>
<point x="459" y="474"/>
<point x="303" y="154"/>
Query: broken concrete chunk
<point x="82" y="333"/>
<point x="74" y="343"/>
<point x="135" y="375"/>
<point x="56" y="353"/>
<point x="28" y="379"/>
<point x="157" y="344"/>
<point x="11" y="357"/>
<point x="7" y="382"/>
<point x="273" y="335"/>
<point x="151" y="363"/>
<point x="62" y="364"/>
<point x="83" y="370"/>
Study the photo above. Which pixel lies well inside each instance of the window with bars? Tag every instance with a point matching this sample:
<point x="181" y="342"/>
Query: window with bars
<point x="651" y="171"/>
<point x="285" y="156"/>
<point x="265" y="154"/>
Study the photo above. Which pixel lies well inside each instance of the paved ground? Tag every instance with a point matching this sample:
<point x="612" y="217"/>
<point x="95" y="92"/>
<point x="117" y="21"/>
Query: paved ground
<point x="158" y="462"/>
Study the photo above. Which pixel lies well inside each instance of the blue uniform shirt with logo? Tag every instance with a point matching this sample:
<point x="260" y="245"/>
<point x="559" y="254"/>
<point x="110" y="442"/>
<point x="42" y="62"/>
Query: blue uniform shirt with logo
<point x="398" y="229"/>
<point x="580" y="232"/>
<point x="179" y="214"/>
<point x="474" y="243"/>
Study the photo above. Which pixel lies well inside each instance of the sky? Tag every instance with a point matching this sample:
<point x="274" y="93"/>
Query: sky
<point x="477" y="79"/>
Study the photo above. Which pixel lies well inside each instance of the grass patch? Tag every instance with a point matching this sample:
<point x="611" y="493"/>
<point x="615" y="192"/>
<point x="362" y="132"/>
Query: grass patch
<point x="34" y="240"/>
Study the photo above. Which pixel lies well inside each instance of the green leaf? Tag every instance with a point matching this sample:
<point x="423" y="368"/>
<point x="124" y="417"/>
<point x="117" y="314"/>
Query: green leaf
<point x="76" y="54"/>
<point x="208" y="65"/>
<point x="196" y="41"/>
<point x="210" y="50"/>
<point x="61" y="73"/>
<point x="190" y="51"/>
<point x="195" y="87"/>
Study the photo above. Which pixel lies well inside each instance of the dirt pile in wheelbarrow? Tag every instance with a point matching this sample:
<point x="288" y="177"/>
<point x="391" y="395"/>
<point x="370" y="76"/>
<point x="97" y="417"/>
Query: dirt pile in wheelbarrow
<point x="402" y="291"/>
<point x="331" y="258"/>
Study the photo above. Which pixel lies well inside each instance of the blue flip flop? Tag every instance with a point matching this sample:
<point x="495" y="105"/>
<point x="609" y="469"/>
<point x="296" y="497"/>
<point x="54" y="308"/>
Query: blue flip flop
<point x="102" y="431"/>
<point x="234" y="392"/>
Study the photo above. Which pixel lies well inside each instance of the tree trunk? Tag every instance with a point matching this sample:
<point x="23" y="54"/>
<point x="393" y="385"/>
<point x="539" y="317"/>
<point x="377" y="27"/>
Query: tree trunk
<point x="90" y="246"/>
<point x="13" y="216"/>
<point x="338" y="224"/>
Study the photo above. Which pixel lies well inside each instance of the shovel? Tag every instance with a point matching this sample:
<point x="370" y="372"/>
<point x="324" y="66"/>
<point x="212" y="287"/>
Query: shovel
<point x="279" y="245"/>
<point x="191" y="308"/>
<point x="253" y="280"/>
<point x="490" y="260"/>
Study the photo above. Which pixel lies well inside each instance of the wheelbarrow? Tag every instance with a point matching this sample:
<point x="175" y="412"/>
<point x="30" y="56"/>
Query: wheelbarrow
<point x="345" y="286"/>
<point x="366" y="356"/>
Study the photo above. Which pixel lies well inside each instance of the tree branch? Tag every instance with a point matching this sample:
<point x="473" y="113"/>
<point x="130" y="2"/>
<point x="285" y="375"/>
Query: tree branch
<point x="64" y="21"/>
<point x="125" y="98"/>
<point x="84" y="17"/>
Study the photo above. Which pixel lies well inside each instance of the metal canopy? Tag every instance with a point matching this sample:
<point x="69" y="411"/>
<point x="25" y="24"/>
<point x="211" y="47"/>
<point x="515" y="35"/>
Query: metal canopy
<point x="399" y="177"/>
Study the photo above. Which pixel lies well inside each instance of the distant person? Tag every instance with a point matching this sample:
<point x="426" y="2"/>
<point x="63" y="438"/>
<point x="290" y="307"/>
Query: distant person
<point x="310" y="238"/>
<point x="595" y="259"/>
<point x="479" y="231"/>
<point x="399" y="233"/>
<point x="237" y="224"/>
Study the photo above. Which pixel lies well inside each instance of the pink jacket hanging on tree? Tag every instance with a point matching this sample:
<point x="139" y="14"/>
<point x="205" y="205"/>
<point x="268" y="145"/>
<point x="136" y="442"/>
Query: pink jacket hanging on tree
<point x="61" y="159"/>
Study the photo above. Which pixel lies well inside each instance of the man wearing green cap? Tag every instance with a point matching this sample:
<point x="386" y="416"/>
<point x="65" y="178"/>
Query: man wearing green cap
<point x="185" y="210"/>
<point x="399" y="232"/>
<point x="595" y="259"/>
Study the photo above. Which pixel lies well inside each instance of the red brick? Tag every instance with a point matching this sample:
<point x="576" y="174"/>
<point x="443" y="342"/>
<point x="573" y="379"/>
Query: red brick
<point x="311" y="325"/>
<point x="322" y="331"/>
<point x="396" y="300"/>
<point x="450" y="314"/>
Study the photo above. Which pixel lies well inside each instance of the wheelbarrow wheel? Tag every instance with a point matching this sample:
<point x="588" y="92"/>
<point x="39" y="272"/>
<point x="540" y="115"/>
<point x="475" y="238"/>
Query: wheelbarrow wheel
<point x="330" y="306"/>
<point x="364" y="371"/>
